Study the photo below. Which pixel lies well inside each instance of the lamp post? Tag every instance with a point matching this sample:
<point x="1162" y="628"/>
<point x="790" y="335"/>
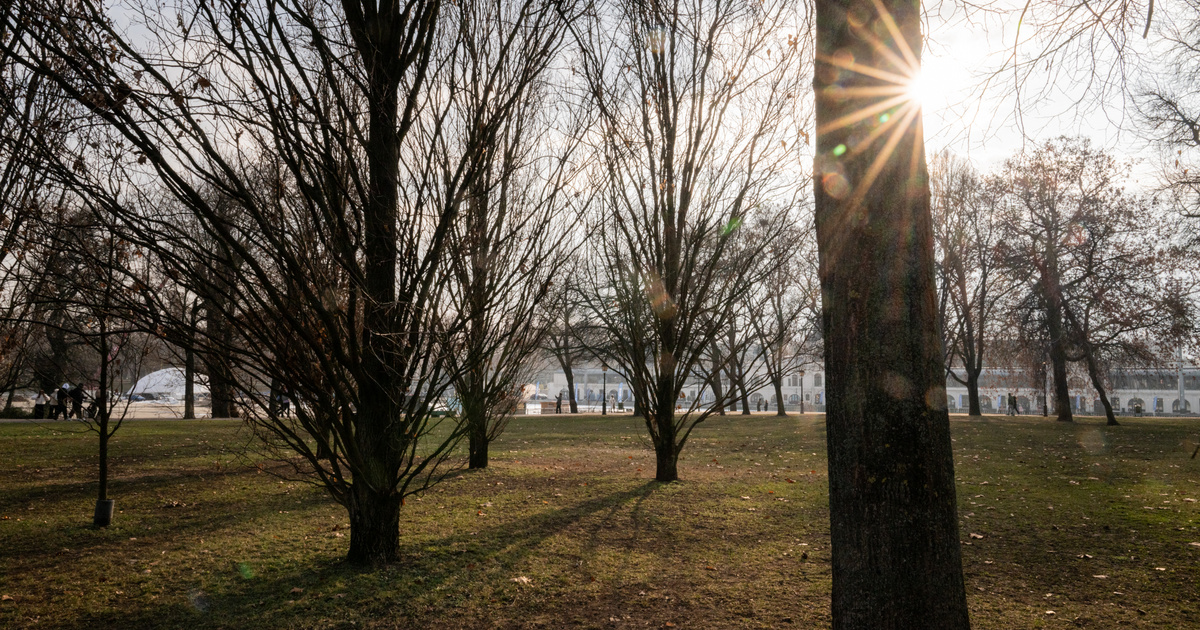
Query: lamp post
<point x="801" y="392"/>
<point x="604" y="390"/>
<point x="1045" y="391"/>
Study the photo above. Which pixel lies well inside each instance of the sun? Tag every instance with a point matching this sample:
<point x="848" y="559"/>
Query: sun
<point x="920" y="89"/>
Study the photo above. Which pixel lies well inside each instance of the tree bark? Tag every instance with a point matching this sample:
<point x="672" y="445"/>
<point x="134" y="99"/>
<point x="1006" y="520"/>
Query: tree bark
<point x="894" y="523"/>
<point x="1056" y="330"/>
<point x="777" y="382"/>
<point x="666" y="455"/>
<point x="745" y="394"/>
<point x="189" y="388"/>
<point x="973" y="392"/>
<point x="374" y="526"/>
<point x="1098" y="384"/>
<point x="571" y="389"/>
<point x="478" y="457"/>
<point x="718" y="393"/>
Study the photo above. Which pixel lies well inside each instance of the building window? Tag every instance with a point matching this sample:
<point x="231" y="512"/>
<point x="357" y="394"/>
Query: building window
<point x="817" y="379"/>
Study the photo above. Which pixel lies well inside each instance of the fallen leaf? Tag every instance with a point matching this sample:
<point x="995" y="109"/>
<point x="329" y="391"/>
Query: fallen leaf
<point x="297" y="589"/>
<point x="1100" y="577"/>
<point x="6" y="598"/>
<point x="521" y="579"/>
<point x="1160" y="568"/>
<point x="1049" y="612"/>
<point x="974" y="535"/>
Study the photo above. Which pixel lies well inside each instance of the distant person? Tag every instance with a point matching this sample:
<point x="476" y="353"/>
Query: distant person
<point x="1012" y="404"/>
<point x="76" y="395"/>
<point x="285" y="405"/>
<point x="39" y="405"/>
<point x="61" y="406"/>
<point x="558" y="403"/>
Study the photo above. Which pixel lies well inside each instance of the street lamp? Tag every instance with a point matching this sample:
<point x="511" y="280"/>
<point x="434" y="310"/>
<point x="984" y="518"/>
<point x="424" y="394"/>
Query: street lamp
<point x="1045" y="391"/>
<point x="604" y="391"/>
<point x="801" y="392"/>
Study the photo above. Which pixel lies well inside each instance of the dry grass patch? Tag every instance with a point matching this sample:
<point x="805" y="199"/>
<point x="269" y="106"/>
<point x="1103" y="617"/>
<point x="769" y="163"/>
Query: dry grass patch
<point x="568" y="529"/>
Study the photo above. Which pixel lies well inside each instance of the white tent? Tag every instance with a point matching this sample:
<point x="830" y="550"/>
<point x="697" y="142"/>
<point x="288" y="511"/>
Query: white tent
<point x="168" y="382"/>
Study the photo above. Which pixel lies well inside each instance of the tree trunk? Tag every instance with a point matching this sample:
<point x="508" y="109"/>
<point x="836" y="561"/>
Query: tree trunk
<point x="718" y="393"/>
<point x="477" y="433"/>
<point x="374" y="526"/>
<point x="220" y="379"/>
<point x="973" y="392"/>
<point x="189" y="388"/>
<point x="1094" y="374"/>
<point x="102" y="418"/>
<point x="742" y="389"/>
<point x="1055" y="328"/>
<point x="571" y="387"/>
<point x="666" y="455"/>
<point x="777" y="381"/>
<point x="895" y="547"/>
<point x="8" y="401"/>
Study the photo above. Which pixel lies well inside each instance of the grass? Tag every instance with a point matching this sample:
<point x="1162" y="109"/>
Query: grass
<point x="567" y="529"/>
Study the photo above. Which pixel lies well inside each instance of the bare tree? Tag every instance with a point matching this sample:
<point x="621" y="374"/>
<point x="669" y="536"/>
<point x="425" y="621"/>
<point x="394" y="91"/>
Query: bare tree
<point x="698" y="124"/>
<point x="1080" y="248"/>
<point x="305" y="216"/>
<point x="966" y="232"/>
<point x="506" y="252"/>
<point x="1097" y="261"/>
<point x="787" y="322"/>
<point x="894" y="521"/>
<point x="32" y="112"/>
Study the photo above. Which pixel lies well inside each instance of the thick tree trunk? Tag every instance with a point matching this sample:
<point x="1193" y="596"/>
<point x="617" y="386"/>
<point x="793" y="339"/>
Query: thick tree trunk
<point x="973" y="392"/>
<point x="894" y="522"/>
<point x="777" y="382"/>
<point x="1055" y="328"/>
<point x="666" y="455"/>
<point x="477" y="434"/>
<point x="666" y="452"/>
<point x="374" y="526"/>
<point x="1062" y="394"/>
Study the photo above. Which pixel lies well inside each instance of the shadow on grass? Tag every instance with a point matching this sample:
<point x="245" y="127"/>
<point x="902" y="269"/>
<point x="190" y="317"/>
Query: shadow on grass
<point x="410" y="588"/>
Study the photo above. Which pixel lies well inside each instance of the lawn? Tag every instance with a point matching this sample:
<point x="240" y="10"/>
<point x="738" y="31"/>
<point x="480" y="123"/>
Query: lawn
<point x="567" y="529"/>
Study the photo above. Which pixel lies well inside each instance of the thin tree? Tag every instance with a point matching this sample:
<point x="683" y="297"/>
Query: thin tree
<point x="505" y="258"/>
<point x="966" y="232"/>
<point x="697" y="115"/>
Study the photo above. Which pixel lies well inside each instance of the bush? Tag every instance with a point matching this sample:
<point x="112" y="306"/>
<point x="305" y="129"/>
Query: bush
<point x="15" y="412"/>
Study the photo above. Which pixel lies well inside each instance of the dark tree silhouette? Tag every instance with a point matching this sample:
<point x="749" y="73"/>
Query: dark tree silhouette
<point x="896" y="558"/>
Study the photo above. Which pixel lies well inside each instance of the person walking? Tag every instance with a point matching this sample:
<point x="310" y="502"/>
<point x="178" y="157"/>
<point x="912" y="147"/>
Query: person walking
<point x="76" y="395"/>
<point x="558" y="403"/>
<point x="61" y="397"/>
<point x="39" y="405"/>
<point x="1012" y="404"/>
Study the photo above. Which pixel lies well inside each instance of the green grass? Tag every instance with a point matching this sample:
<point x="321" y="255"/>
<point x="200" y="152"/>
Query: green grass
<point x="567" y="529"/>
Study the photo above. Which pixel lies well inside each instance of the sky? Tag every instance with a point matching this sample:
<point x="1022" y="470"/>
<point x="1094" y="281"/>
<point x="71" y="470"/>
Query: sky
<point x="981" y="124"/>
